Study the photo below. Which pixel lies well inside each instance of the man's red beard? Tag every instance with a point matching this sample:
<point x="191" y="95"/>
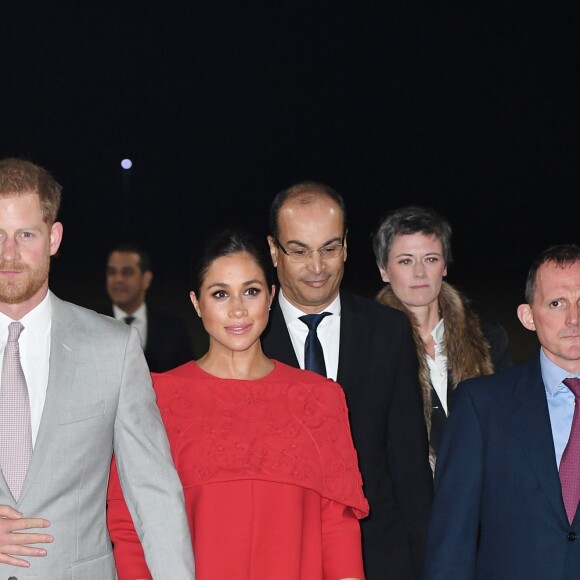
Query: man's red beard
<point x="28" y="283"/>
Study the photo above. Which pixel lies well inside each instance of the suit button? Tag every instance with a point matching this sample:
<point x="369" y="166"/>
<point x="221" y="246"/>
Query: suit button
<point x="572" y="536"/>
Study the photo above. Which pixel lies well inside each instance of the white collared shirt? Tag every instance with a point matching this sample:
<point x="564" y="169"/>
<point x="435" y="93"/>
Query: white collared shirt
<point x="328" y="332"/>
<point x="140" y="322"/>
<point x="438" y="365"/>
<point x="34" y="346"/>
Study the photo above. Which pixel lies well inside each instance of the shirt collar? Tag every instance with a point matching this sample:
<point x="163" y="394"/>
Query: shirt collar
<point x="438" y="333"/>
<point x="139" y="314"/>
<point x="291" y="313"/>
<point x="37" y="321"/>
<point x="552" y="374"/>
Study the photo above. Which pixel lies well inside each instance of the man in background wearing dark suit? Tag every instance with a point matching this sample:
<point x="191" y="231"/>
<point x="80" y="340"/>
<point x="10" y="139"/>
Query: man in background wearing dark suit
<point x="507" y="481"/>
<point x="165" y="339"/>
<point x="368" y="349"/>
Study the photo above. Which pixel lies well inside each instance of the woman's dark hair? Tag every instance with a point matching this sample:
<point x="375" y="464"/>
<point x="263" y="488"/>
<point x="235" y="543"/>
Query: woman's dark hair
<point x="227" y="242"/>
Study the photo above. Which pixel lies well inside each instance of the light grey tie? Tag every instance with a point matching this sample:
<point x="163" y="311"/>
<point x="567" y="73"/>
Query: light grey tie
<point x="15" y="430"/>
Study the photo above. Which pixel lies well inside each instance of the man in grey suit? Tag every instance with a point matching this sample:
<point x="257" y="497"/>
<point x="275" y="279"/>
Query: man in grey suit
<point x="81" y="386"/>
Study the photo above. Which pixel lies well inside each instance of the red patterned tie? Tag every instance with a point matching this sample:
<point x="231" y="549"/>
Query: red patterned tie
<point x="15" y="430"/>
<point x="570" y="462"/>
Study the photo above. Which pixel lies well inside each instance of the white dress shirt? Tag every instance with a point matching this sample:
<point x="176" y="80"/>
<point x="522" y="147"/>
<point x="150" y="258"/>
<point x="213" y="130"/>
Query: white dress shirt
<point x="438" y="365"/>
<point x="34" y="347"/>
<point x="328" y="332"/>
<point x="140" y="322"/>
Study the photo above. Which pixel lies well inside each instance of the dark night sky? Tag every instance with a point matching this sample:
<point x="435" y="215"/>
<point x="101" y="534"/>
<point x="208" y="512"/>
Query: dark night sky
<point x="471" y="108"/>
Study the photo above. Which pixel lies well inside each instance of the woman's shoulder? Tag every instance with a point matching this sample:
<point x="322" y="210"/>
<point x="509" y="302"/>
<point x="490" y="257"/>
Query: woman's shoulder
<point x="288" y="375"/>
<point x="285" y="372"/>
<point x="189" y="370"/>
<point x="181" y="377"/>
<point x="500" y="348"/>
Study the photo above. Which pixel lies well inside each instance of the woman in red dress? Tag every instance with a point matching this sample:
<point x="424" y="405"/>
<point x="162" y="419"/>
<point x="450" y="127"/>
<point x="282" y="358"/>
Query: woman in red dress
<point x="264" y="451"/>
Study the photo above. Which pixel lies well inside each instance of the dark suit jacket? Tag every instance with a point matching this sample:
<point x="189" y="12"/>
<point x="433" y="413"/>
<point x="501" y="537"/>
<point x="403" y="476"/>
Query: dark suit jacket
<point x="378" y="371"/>
<point x="498" y="511"/>
<point x="499" y="346"/>
<point x="501" y="358"/>
<point x="168" y="341"/>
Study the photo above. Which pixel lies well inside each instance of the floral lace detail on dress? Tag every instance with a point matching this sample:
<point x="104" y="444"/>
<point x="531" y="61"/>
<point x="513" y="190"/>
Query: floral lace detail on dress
<point x="270" y="429"/>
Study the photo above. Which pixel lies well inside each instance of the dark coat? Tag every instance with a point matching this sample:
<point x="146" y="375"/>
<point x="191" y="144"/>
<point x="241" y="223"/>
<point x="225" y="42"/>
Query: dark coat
<point x="378" y="371"/>
<point x="498" y="511"/>
<point x="168" y="342"/>
<point x="472" y="349"/>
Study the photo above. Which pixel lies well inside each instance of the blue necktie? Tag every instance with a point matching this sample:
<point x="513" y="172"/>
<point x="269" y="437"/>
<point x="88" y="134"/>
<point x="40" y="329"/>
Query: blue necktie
<point x="313" y="355"/>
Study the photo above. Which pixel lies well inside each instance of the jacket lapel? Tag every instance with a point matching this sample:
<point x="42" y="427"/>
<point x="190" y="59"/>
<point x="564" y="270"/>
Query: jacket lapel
<point x="276" y="341"/>
<point x="62" y="364"/>
<point x="531" y="421"/>
<point x="351" y="355"/>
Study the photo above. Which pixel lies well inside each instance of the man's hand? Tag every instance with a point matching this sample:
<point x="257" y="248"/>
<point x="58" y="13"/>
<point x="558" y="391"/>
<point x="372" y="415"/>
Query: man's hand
<point x="13" y="543"/>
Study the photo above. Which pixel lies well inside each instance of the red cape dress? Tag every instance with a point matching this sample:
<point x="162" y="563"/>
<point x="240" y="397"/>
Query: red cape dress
<point x="270" y="477"/>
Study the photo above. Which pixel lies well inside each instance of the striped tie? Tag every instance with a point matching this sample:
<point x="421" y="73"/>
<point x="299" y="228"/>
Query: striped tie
<point x="570" y="462"/>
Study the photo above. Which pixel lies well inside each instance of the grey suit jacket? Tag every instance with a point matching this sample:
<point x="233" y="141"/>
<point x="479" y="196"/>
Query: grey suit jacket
<point x="99" y="399"/>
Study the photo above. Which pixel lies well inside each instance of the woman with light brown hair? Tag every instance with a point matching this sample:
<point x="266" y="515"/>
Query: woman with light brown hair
<point x="413" y="250"/>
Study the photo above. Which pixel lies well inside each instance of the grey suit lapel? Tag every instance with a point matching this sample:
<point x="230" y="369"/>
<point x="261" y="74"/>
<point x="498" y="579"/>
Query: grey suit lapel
<point x="532" y="423"/>
<point x="62" y="364"/>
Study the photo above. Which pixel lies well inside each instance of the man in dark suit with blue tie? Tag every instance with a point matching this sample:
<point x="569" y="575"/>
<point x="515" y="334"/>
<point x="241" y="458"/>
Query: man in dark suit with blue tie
<point x="368" y="349"/>
<point x="507" y="481"/>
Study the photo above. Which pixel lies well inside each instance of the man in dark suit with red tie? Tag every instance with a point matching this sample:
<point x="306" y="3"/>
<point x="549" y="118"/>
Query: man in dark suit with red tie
<point x="165" y="339"/>
<point x="507" y="481"/>
<point x="368" y="349"/>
